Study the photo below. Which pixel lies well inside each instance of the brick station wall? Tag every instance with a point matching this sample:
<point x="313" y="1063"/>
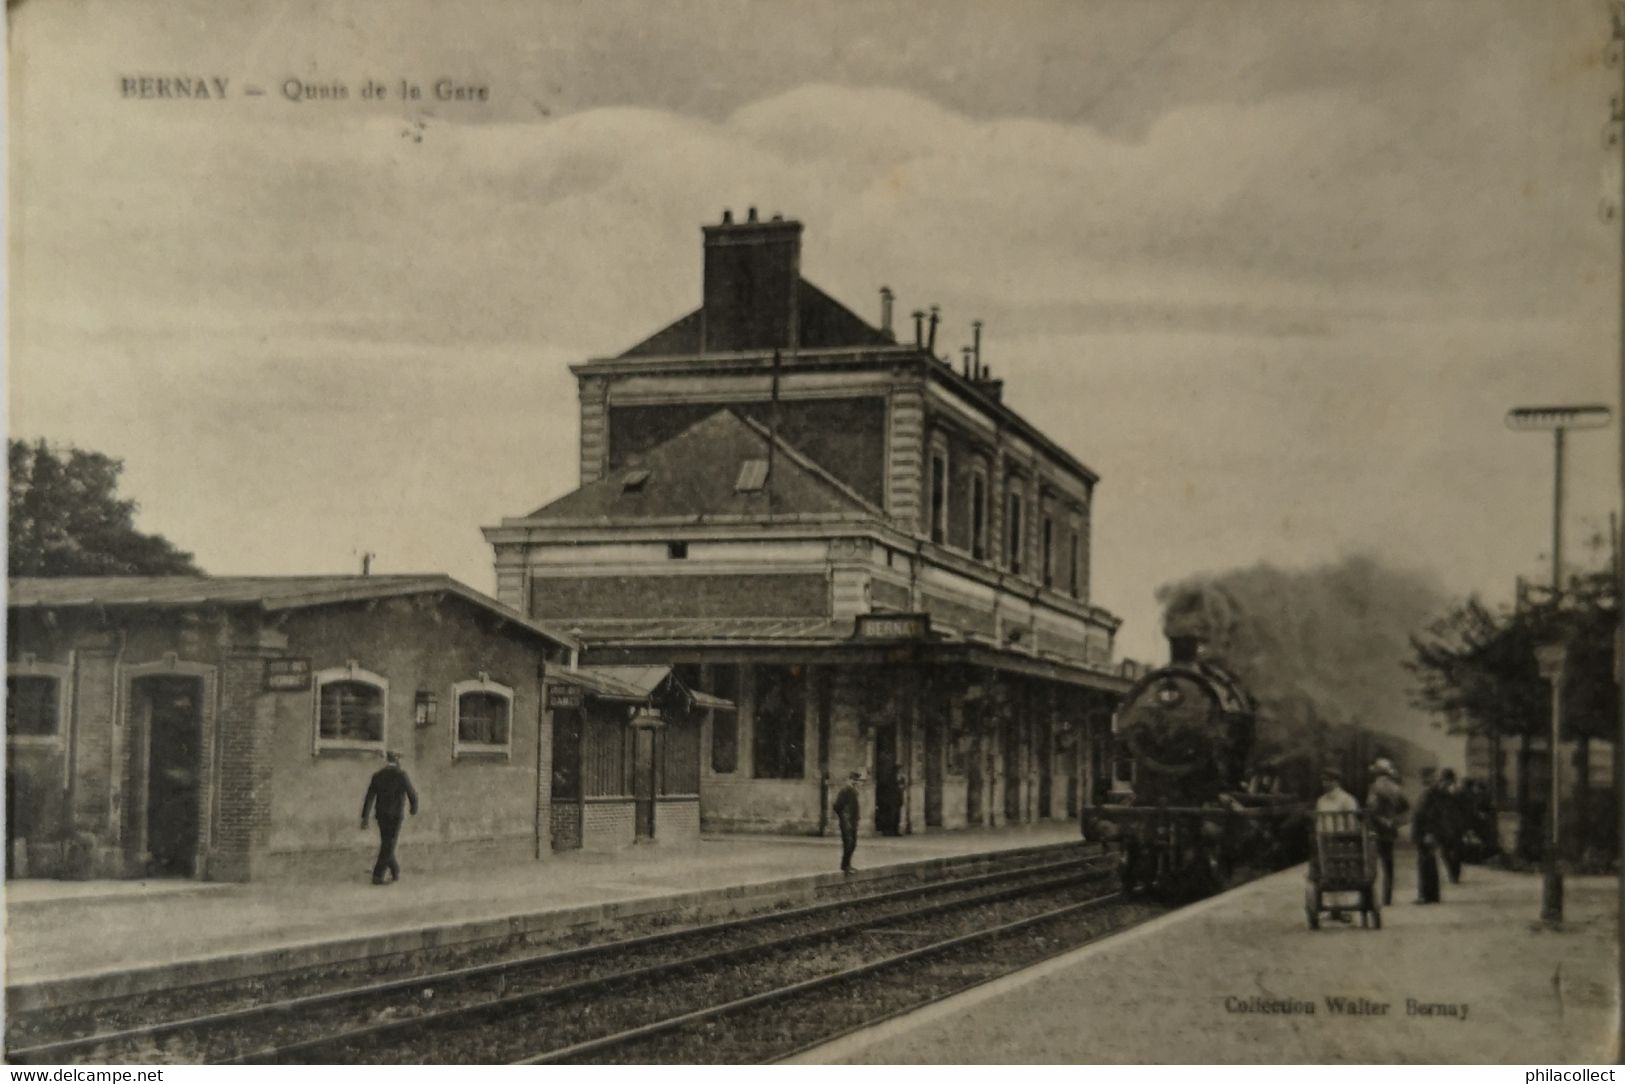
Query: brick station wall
<point x="608" y="824"/>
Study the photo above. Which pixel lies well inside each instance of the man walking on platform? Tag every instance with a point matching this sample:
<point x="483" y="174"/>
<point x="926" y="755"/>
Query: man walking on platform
<point x="846" y="812"/>
<point x="1454" y="825"/>
<point x="1427" y="829"/>
<point x="388" y="794"/>
<point x="1385" y="804"/>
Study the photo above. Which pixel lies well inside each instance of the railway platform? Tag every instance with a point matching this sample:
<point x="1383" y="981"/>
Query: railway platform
<point x="72" y="941"/>
<point x="1240" y="978"/>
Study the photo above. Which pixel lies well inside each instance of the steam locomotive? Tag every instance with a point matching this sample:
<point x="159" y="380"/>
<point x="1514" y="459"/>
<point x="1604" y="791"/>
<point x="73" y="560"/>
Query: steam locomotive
<point x="1183" y="804"/>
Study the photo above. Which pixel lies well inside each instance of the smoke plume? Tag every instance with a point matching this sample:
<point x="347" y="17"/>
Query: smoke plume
<point x="1322" y="651"/>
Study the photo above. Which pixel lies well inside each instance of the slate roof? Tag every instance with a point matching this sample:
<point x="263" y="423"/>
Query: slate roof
<point x="693" y="476"/>
<point x="269" y="593"/>
<point x="822" y="321"/>
<point x="714" y="629"/>
<point x="632" y="684"/>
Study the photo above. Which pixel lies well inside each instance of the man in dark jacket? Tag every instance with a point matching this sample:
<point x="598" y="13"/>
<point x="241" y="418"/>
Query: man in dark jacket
<point x="1385" y="804"/>
<point x="846" y="812"/>
<point x="1428" y="826"/>
<point x="1454" y="825"/>
<point x="388" y="794"/>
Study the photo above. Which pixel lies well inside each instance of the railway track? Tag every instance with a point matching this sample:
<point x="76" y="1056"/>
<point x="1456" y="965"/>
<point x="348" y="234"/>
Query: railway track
<point x="781" y="1022"/>
<point x="571" y="996"/>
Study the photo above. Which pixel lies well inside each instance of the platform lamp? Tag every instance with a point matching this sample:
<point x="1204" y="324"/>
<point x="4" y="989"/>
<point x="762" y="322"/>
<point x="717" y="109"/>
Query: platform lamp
<point x="1558" y="419"/>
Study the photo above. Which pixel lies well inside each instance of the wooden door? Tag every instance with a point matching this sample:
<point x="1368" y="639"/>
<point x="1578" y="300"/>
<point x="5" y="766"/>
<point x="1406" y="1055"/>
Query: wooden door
<point x="643" y="781"/>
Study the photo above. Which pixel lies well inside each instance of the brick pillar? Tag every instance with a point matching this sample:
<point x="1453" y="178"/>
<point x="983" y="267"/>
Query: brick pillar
<point x="905" y="448"/>
<point x="98" y="747"/>
<point x="246" y="725"/>
<point x="594" y="394"/>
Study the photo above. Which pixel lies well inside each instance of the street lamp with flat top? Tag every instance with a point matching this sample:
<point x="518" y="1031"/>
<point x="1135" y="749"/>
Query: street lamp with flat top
<point x="1558" y="419"/>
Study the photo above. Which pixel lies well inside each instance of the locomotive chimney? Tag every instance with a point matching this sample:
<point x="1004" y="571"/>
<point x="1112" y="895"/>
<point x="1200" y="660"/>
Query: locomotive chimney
<point x="1184" y="648"/>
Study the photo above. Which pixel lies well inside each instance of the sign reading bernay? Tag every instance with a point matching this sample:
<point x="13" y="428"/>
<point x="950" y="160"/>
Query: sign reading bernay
<point x="893" y="627"/>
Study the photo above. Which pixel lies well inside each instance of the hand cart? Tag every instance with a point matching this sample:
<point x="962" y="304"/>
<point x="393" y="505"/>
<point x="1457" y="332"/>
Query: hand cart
<point x="1344" y="860"/>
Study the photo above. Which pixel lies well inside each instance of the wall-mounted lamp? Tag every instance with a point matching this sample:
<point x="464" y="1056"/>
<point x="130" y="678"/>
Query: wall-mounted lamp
<point x="425" y="707"/>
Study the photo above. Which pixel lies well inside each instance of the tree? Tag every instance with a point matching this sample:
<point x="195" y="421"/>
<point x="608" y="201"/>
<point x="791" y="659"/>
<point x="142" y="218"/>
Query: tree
<point x="1476" y="668"/>
<point x="67" y="519"/>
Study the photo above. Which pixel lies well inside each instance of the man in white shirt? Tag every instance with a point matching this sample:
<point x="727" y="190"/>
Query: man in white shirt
<point x="1333" y="798"/>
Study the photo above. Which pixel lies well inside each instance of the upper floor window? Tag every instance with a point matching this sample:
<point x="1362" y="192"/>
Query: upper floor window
<point x="1012" y="532"/>
<point x="978" y="516"/>
<point x="351" y="708"/>
<point x="33" y="706"/>
<point x="939" y="494"/>
<point x="482" y="716"/>
<point x="1049" y="552"/>
<point x="1073" y="570"/>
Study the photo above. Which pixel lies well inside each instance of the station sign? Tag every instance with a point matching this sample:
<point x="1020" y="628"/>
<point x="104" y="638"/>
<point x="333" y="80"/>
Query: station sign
<point x="892" y="627"/>
<point x="564" y="696"/>
<point x="291" y="675"/>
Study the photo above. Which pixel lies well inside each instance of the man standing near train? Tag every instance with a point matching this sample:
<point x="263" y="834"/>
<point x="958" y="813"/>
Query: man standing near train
<point x="1428" y="827"/>
<point x="1385" y="804"/>
<point x="847" y="813"/>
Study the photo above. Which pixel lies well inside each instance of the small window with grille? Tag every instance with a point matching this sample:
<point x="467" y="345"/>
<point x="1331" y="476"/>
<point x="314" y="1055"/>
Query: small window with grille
<point x="351" y="709"/>
<point x="482" y="717"/>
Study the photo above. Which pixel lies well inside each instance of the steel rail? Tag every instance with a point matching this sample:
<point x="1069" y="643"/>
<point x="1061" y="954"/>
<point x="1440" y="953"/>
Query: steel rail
<point x="644" y="1031"/>
<point x="58" y="1050"/>
<point x="510" y="1004"/>
<point x="835" y="1036"/>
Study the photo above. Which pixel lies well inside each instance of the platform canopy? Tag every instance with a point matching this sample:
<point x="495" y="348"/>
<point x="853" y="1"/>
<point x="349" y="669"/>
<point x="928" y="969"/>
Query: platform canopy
<point x="644" y="686"/>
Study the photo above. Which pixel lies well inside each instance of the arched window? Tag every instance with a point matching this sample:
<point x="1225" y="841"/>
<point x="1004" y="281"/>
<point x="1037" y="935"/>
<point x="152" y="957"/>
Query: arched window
<point x="351" y="709"/>
<point x="482" y="717"/>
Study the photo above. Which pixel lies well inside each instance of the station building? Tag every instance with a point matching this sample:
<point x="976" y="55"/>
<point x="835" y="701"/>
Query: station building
<point x="226" y="728"/>
<point x="862" y="546"/>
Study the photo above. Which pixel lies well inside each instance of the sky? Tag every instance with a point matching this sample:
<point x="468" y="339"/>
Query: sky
<point x="1274" y="269"/>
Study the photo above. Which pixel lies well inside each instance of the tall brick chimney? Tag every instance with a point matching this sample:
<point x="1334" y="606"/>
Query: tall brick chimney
<point x="751" y="272"/>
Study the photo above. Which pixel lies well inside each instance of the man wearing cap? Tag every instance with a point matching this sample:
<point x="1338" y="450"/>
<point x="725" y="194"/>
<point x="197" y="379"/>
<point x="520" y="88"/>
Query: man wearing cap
<point x="1385" y="804"/>
<point x="388" y="794"/>
<point x="846" y="812"/>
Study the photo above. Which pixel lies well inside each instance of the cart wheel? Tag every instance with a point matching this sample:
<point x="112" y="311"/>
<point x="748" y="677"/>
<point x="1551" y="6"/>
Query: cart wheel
<point x="1314" y="917"/>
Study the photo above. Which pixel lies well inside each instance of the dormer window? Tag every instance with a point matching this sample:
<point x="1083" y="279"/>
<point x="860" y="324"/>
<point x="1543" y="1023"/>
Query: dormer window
<point x="752" y="476"/>
<point x="633" y="481"/>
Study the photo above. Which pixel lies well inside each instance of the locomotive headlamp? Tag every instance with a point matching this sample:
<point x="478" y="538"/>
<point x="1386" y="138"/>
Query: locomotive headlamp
<point x="1168" y="694"/>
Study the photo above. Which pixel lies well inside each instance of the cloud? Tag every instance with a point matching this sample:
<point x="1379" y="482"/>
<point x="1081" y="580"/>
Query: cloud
<point x="1280" y="328"/>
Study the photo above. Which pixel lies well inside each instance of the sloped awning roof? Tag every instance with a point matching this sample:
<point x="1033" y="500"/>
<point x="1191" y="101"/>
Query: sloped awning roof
<point x="268" y="593"/>
<point x="635" y="685"/>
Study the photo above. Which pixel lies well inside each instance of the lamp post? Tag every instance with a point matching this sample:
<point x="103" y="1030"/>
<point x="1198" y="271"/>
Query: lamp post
<point x="1558" y="419"/>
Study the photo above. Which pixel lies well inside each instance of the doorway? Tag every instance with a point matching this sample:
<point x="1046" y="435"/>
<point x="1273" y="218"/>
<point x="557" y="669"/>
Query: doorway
<point x="1046" y="768"/>
<point x="1012" y="772"/>
<point x="169" y="711"/>
<point x="643" y="781"/>
<point x="934" y="727"/>
<point x="888" y="789"/>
